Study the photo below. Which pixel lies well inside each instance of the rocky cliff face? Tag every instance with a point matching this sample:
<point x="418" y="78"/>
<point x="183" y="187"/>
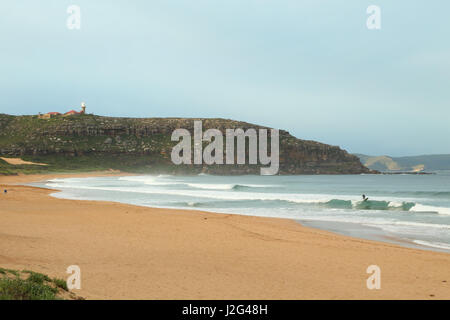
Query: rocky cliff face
<point x="88" y="135"/>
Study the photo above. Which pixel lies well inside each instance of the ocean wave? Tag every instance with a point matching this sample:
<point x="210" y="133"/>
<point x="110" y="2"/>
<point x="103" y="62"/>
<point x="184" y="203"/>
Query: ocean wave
<point x="152" y="180"/>
<point x="424" y="208"/>
<point x="434" y="244"/>
<point x="369" y="205"/>
<point x="211" y="186"/>
<point x="209" y="194"/>
<point x="66" y="180"/>
<point x="231" y="192"/>
<point x="183" y="204"/>
<point x="432" y="194"/>
<point x="377" y="222"/>
<point x="386" y="205"/>
<point x="224" y="186"/>
<point x="142" y="179"/>
<point x="161" y="180"/>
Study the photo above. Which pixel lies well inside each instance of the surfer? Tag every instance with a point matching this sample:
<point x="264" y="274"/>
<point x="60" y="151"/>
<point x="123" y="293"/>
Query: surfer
<point x="364" y="198"/>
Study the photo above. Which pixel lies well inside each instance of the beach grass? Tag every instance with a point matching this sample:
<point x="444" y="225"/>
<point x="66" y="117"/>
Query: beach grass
<point x="30" y="285"/>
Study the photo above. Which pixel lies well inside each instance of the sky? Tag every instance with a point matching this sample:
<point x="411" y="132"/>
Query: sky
<point x="310" y="67"/>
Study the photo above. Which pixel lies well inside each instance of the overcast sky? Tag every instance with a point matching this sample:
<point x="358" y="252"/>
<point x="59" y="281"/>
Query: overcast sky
<point x="310" y="67"/>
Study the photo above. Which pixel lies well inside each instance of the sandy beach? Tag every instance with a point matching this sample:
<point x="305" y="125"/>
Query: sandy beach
<point x="131" y="252"/>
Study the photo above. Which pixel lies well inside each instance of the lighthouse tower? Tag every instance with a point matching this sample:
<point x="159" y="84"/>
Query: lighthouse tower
<point x="83" y="108"/>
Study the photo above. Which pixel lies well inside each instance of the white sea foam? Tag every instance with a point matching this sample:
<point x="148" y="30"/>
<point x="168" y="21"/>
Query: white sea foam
<point x="377" y="222"/>
<point x="211" y="186"/>
<point x="298" y="198"/>
<point x="225" y="192"/>
<point x="142" y="179"/>
<point x="424" y="208"/>
<point x="395" y="204"/>
<point x="224" y="186"/>
<point x="165" y="180"/>
<point x="439" y="245"/>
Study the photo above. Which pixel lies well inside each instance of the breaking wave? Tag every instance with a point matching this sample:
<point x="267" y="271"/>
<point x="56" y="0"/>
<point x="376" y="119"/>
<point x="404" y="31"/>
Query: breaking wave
<point x="229" y="186"/>
<point x="369" y="205"/>
<point x="231" y="193"/>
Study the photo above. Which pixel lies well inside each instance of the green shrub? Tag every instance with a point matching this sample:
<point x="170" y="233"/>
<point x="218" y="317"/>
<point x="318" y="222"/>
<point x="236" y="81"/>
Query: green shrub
<point x="35" y="277"/>
<point x="30" y="285"/>
<point x="60" y="284"/>
<point x="18" y="289"/>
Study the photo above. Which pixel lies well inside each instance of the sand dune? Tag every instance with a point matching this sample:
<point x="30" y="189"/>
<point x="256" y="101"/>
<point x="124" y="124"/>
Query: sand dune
<point x="18" y="161"/>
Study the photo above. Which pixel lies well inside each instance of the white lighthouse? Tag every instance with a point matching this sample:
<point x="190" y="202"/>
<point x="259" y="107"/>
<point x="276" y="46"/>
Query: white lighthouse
<point x="83" y="108"/>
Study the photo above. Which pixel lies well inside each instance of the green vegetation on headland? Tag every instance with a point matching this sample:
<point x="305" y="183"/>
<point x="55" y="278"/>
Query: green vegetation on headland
<point x="88" y="142"/>
<point x="29" y="285"/>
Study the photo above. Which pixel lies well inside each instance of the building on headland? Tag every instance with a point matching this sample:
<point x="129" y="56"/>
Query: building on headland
<point x="49" y="115"/>
<point x="70" y="113"/>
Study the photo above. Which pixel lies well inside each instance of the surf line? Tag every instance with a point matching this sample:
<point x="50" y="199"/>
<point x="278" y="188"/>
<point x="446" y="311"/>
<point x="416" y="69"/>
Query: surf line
<point x="213" y="152"/>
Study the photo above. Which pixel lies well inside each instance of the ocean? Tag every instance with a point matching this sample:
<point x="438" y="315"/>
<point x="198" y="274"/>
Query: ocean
<point x="411" y="210"/>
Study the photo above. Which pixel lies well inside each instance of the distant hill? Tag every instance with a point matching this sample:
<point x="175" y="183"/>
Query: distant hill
<point x="411" y="163"/>
<point x="91" y="142"/>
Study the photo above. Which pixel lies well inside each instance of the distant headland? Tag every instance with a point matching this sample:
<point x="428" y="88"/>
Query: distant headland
<point x="411" y="164"/>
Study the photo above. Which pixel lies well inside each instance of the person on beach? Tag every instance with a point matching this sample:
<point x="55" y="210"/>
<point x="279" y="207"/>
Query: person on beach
<point x="5" y="191"/>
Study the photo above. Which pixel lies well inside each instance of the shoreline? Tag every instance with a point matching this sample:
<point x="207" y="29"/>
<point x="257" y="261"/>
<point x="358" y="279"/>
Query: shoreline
<point x="201" y="255"/>
<point x="358" y="231"/>
<point x="351" y="229"/>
